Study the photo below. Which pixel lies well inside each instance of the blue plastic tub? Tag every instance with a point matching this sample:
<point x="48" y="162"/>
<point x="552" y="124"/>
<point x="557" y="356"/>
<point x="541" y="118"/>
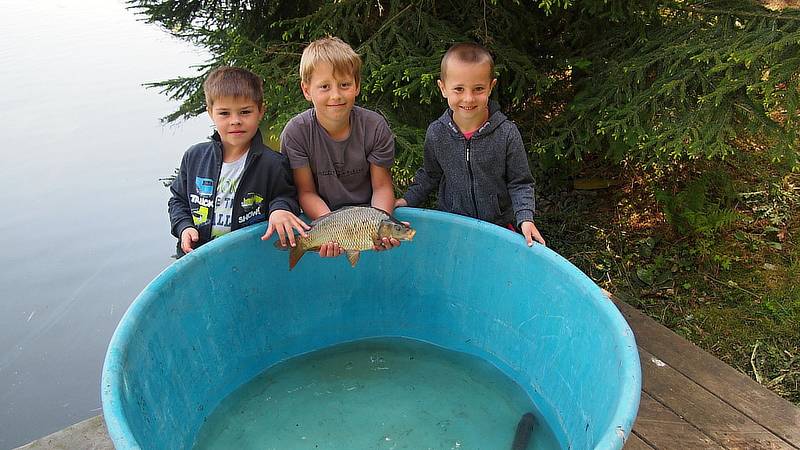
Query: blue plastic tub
<point x="226" y="312"/>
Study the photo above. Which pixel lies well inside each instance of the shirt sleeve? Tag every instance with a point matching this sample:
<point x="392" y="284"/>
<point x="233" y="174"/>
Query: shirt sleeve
<point x="180" y="215"/>
<point x="284" y="193"/>
<point x="520" y="180"/>
<point x="381" y="152"/>
<point x="294" y="146"/>
<point x="427" y="178"/>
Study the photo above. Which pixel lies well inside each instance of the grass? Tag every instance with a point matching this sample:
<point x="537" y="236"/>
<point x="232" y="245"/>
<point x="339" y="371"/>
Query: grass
<point x="733" y="290"/>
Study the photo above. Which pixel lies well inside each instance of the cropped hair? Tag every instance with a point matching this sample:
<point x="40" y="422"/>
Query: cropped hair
<point x="233" y="82"/>
<point x="334" y="51"/>
<point x="467" y="52"/>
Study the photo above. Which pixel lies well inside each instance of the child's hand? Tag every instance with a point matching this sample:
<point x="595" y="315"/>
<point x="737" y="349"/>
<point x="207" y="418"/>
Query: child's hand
<point x="284" y="223"/>
<point x="330" y="250"/>
<point x="531" y="233"/>
<point x="189" y="236"/>
<point x="400" y="202"/>
<point x="388" y="243"/>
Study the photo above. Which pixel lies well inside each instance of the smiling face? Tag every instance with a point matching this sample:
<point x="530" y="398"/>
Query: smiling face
<point x="333" y="96"/>
<point x="236" y="120"/>
<point x="467" y="87"/>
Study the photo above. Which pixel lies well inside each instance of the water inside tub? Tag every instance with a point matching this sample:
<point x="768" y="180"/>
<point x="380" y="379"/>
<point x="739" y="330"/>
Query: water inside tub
<point x="382" y="393"/>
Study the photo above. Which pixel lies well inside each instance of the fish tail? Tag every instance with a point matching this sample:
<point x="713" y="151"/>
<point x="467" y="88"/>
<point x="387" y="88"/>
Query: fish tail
<point x="295" y="253"/>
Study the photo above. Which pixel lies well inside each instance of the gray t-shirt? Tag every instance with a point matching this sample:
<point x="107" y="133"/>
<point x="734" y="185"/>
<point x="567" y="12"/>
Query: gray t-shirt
<point x="340" y="168"/>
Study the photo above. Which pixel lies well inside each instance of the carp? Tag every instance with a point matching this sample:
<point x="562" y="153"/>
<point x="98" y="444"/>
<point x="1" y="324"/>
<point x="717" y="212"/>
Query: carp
<point x="354" y="228"/>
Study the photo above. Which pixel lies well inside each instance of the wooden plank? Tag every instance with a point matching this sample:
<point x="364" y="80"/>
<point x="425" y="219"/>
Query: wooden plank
<point x="90" y="434"/>
<point x="664" y="430"/>
<point x="738" y="390"/>
<point x="705" y="411"/>
<point x="634" y="442"/>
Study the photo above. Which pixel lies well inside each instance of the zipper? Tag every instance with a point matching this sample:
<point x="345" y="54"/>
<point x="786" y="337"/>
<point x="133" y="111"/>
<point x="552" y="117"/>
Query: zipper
<point x="237" y="195"/>
<point x="212" y="210"/>
<point x="471" y="178"/>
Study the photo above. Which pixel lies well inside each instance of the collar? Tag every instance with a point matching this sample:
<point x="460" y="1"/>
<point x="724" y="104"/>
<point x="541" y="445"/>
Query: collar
<point x="256" y="145"/>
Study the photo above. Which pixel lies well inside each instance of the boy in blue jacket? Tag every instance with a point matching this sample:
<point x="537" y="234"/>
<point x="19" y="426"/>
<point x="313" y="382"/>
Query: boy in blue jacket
<point x="473" y="153"/>
<point x="233" y="180"/>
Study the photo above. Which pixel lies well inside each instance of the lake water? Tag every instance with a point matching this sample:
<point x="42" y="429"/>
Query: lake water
<point x="387" y="393"/>
<point x="85" y="227"/>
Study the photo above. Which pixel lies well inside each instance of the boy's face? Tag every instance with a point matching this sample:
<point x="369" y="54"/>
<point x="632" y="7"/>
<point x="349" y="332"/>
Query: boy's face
<point x="467" y="87"/>
<point x="333" y="95"/>
<point x="236" y="119"/>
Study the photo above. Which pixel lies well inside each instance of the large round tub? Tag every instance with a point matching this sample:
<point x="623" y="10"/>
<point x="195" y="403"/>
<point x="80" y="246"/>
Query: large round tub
<point x="223" y="314"/>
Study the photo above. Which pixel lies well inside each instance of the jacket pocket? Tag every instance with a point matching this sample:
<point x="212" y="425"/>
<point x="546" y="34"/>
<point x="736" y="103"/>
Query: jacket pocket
<point x="454" y="201"/>
<point x="489" y="210"/>
<point x="504" y="205"/>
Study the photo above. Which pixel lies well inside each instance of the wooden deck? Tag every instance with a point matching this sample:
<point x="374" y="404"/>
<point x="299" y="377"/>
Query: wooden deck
<point x="690" y="400"/>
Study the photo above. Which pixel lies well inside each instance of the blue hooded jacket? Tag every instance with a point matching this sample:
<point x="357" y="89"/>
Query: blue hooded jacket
<point x="486" y="177"/>
<point x="266" y="185"/>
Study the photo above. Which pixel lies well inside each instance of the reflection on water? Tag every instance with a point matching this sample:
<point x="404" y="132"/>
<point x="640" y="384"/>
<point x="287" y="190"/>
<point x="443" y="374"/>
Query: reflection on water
<point x="84" y="224"/>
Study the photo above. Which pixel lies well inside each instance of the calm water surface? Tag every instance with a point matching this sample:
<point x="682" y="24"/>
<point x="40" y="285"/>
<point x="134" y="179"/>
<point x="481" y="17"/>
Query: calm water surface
<point x="386" y="393"/>
<point x="84" y="226"/>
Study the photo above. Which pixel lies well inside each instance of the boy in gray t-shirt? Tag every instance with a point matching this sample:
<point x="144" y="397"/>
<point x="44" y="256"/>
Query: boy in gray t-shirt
<point x="341" y="169"/>
<point x="340" y="154"/>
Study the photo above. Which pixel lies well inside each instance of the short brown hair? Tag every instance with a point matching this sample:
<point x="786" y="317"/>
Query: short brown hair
<point x="468" y="52"/>
<point x="333" y="51"/>
<point x="233" y="82"/>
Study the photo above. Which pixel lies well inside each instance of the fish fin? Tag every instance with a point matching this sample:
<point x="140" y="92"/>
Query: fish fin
<point x="353" y="257"/>
<point x="295" y="253"/>
<point x="278" y="245"/>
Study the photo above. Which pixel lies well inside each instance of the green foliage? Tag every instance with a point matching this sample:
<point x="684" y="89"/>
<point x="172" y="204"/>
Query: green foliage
<point x="648" y="82"/>
<point x="683" y="81"/>
<point x="703" y="207"/>
<point x="401" y="44"/>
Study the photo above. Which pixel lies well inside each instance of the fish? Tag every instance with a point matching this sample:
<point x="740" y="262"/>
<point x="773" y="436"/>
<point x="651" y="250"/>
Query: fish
<point x="354" y="228"/>
<point x="523" y="435"/>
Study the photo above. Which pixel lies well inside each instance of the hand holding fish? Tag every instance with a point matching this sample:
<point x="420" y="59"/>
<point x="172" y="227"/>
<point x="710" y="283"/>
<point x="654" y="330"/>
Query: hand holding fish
<point x="385" y="244"/>
<point x="350" y="230"/>
<point x="284" y="223"/>
<point x="389" y="242"/>
<point x="330" y="250"/>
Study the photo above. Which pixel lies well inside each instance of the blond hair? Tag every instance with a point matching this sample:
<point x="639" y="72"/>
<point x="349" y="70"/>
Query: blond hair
<point x="233" y="82"/>
<point x="468" y="52"/>
<point x="334" y="51"/>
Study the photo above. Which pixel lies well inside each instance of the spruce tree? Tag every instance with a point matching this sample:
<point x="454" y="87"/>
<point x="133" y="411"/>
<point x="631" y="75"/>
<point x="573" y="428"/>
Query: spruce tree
<point x="651" y="82"/>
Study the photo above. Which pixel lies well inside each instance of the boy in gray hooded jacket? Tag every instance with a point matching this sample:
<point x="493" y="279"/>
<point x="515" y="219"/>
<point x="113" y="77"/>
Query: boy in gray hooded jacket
<point x="473" y="153"/>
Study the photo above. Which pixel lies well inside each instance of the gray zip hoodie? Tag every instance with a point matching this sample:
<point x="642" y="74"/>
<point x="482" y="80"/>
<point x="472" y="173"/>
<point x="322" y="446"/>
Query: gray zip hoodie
<point x="486" y="177"/>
